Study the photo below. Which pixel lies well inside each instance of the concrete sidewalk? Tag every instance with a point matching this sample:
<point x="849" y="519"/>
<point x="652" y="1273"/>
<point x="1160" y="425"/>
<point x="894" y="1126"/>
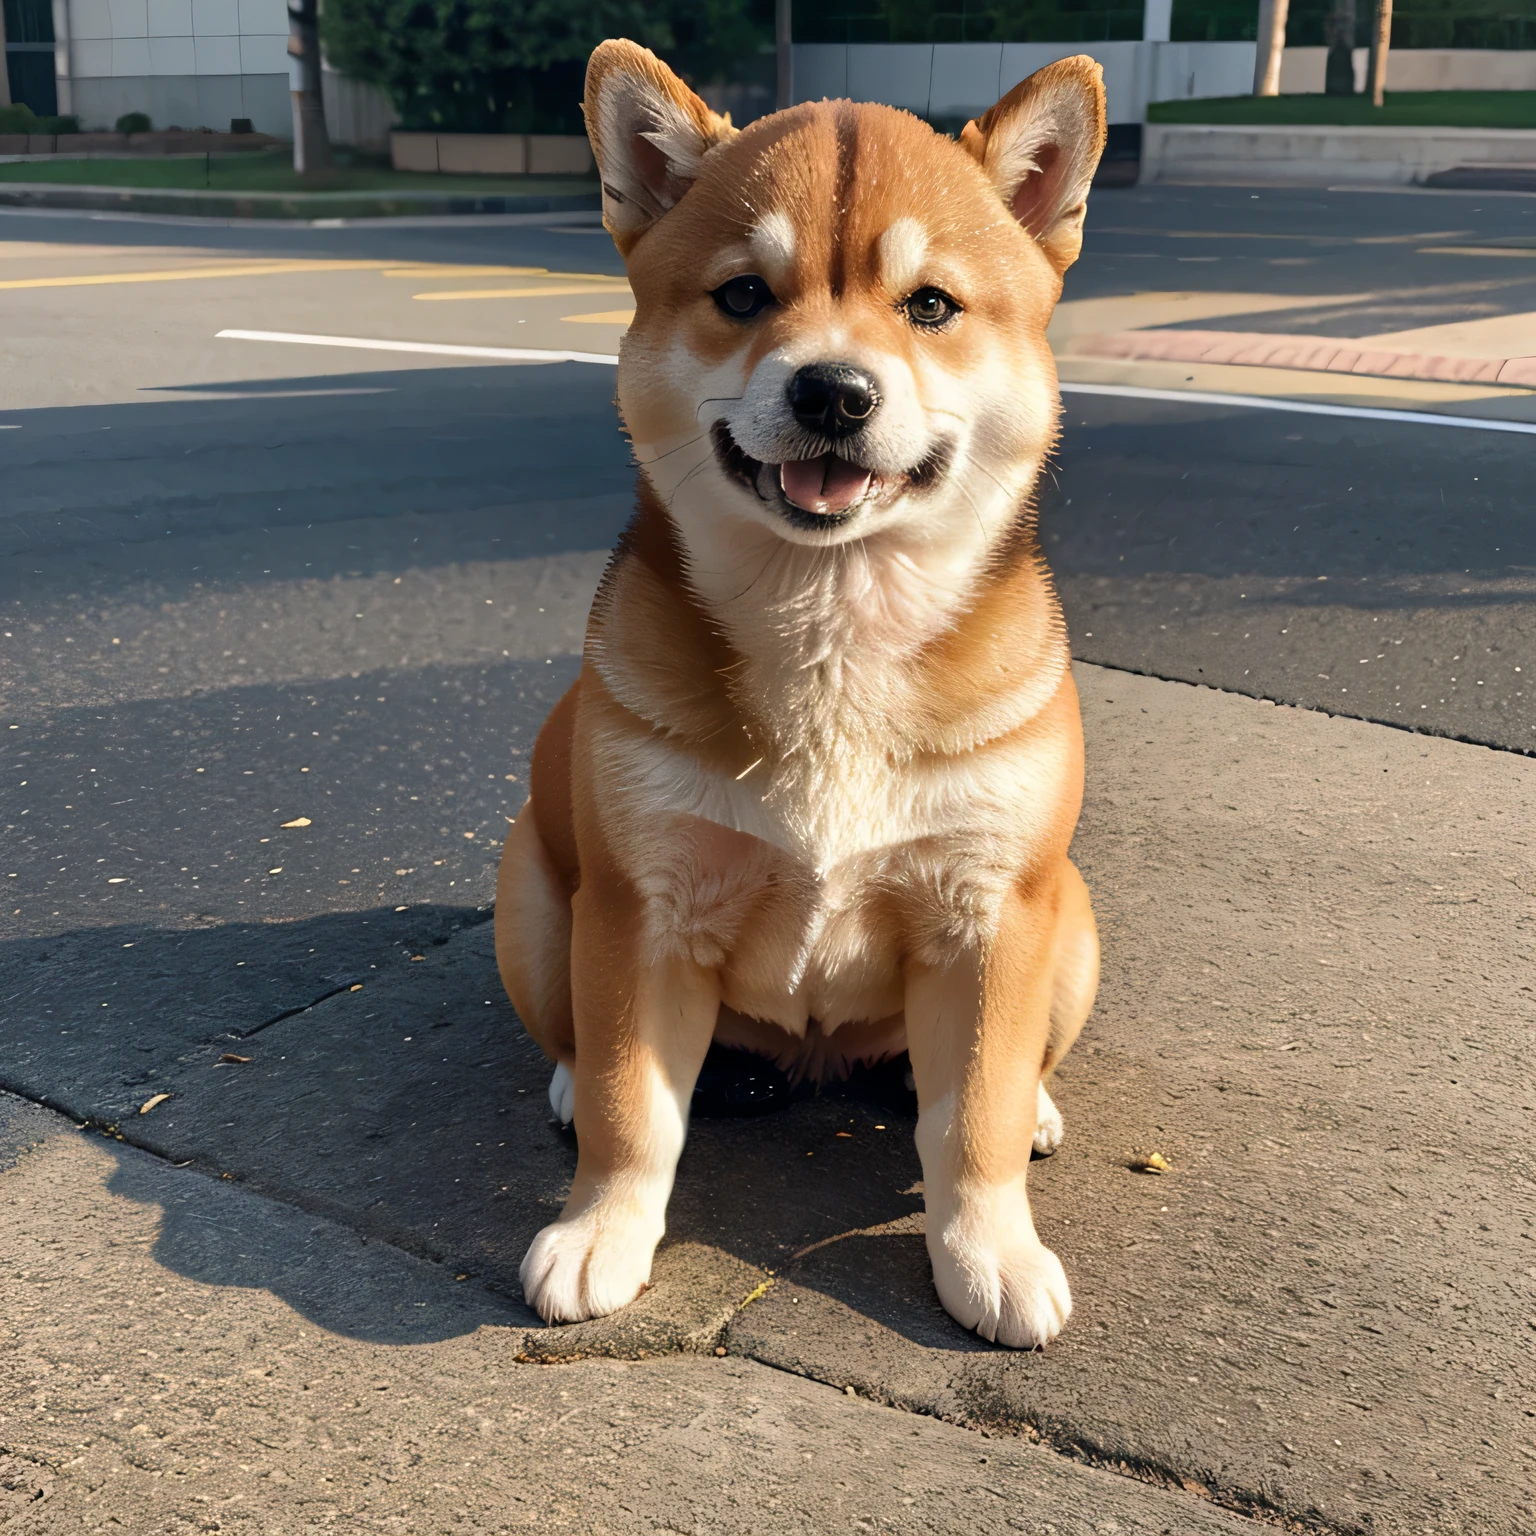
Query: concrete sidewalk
<point x="1318" y="1002"/>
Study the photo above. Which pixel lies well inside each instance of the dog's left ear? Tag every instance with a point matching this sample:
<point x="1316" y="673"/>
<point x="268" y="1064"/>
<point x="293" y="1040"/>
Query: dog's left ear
<point x="649" y="133"/>
<point x="1040" y="145"/>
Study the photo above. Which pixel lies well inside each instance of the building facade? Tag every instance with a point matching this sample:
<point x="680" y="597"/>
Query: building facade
<point x="185" y="63"/>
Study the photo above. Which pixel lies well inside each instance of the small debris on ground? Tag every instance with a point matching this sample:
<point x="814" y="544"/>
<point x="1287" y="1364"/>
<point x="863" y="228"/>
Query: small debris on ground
<point x="149" y="1104"/>
<point x="298" y="821"/>
<point x="234" y="1060"/>
<point x="1150" y="1162"/>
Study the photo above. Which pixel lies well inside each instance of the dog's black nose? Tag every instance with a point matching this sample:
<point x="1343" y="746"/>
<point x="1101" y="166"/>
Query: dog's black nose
<point x="833" y="399"/>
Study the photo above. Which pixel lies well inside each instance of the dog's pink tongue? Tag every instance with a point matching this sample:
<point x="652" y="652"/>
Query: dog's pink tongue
<point x="827" y="484"/>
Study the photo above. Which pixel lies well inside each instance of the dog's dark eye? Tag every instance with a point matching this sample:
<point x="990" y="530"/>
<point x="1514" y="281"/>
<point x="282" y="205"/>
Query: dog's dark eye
<point x="931" y="307"/>
<point x="743" y="297"/>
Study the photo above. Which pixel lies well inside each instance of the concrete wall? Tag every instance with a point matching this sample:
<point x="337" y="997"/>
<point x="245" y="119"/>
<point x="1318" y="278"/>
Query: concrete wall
<point x="187" y="101"/>
<point x="962" y="79"/>
<point x="1196" y="152"/>
<point x="1421" y="69"/>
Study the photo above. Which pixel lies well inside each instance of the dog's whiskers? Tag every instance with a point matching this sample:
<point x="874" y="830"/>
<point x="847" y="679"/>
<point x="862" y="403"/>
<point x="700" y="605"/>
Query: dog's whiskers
<point x="678" y="449"/>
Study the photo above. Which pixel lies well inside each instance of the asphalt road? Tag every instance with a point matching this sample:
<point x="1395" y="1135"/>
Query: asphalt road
<point x="254" y="583"/>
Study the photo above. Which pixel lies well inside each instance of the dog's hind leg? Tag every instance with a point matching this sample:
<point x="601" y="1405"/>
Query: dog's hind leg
<point x="1074" y="982"/>
<point x="533" y="941"/>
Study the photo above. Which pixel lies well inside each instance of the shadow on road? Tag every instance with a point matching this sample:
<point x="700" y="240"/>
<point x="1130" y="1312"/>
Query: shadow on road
<point x="219" y="1235"/>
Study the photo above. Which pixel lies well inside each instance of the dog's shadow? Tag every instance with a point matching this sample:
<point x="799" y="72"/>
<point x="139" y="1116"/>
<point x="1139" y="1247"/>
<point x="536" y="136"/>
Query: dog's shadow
<point x="414" y="1110"/>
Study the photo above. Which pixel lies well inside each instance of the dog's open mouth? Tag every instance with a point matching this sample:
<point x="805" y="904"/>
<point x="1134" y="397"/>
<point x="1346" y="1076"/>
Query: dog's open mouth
<point x="821" y="492"/>
<point x="824" y="485"/>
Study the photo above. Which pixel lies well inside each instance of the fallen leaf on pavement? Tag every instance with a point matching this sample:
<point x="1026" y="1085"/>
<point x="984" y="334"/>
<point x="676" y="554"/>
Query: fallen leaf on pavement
<point x="298" y="821"/>
<point x="1151" y="1162"/>
<point x="230" y="1056"/>
<point x="149" y="1104"/>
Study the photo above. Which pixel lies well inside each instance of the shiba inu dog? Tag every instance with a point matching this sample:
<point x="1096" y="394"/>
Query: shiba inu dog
<point x="813" y="791"/>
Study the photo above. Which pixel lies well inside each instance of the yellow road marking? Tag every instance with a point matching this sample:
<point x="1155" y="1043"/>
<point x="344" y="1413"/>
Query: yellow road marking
<point x="1477" y="250"/>
<point x="186" y="274"/>
<point x="604" y="317"/>
<point x="525" y="293"/>
<point x="1246" y="234"/>
<point x="446" y="270"/>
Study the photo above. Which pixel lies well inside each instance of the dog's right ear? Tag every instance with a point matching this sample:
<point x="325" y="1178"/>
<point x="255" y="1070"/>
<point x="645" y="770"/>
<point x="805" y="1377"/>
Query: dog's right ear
<point x="650" y="134"/>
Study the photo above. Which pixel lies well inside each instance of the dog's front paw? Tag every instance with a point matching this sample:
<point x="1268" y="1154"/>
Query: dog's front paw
<point x="587" y="1266"/>
<point x="1048" y="1127"/>
<point x="1013" y="1292"/>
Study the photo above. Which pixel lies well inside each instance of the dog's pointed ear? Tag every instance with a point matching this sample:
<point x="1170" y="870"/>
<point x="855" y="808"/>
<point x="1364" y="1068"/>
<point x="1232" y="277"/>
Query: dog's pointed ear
<point x="1040" y="146"/>
<point x="649" y="133"/>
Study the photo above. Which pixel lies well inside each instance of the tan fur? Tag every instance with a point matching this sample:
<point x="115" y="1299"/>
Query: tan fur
<point x="814" y="789"/>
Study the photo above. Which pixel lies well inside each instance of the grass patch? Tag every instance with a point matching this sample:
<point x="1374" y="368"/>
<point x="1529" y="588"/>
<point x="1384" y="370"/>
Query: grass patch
<point x="272" y="171"/>
<point x="1403" y="109"/>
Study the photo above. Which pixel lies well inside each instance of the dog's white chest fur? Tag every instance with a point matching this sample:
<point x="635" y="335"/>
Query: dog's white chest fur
<point x="806" y="877"/>
<point x="804" y="886"/>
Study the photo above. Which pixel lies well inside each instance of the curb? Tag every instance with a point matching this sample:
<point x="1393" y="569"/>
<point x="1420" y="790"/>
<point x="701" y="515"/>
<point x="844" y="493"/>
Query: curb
<point x="284" y="205"/>
<point x="1314" y="154"/>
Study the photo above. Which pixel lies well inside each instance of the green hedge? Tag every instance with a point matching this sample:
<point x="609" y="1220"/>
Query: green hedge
<point x="968" y="21"/>
<point x="22" y="119"/>
<point x="516" y="66"/>
<point x="1415" y="23"/>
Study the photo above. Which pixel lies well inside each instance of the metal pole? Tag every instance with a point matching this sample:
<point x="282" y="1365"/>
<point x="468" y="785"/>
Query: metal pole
<point x="783" y="38"/>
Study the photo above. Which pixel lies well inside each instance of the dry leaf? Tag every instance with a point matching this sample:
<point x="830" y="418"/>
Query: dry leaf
<point x="1151" y="1162"/>
<point x="231" y="1057"/>
<point x="356" y="986"/>
<point x="846" y="1135"/>
<point x="149" y="1104"/>
<point x="298" y="821"/>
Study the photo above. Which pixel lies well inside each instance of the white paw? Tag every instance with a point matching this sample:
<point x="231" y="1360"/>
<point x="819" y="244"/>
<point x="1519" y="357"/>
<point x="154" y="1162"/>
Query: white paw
<point x="562" y="1094"/>
<point x="588" y="1266"/>
<point x="1013" y="1292"/>
<point x="1048" y="1127"/>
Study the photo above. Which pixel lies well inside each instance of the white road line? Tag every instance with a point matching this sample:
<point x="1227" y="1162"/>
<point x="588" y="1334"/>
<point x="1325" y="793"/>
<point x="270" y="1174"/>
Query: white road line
<point x="1123" y="391"/>
<point x="1299" y="407"/>
<point x="438" y="348"/>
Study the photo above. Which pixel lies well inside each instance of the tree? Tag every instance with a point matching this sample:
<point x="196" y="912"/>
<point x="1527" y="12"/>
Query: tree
<point x="311" y="143"/>
<point x="1339" y="34"/>
<point x="1266" y="66"/>
<point x="516" y="66"/>
<point x="1381" y="45"/>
